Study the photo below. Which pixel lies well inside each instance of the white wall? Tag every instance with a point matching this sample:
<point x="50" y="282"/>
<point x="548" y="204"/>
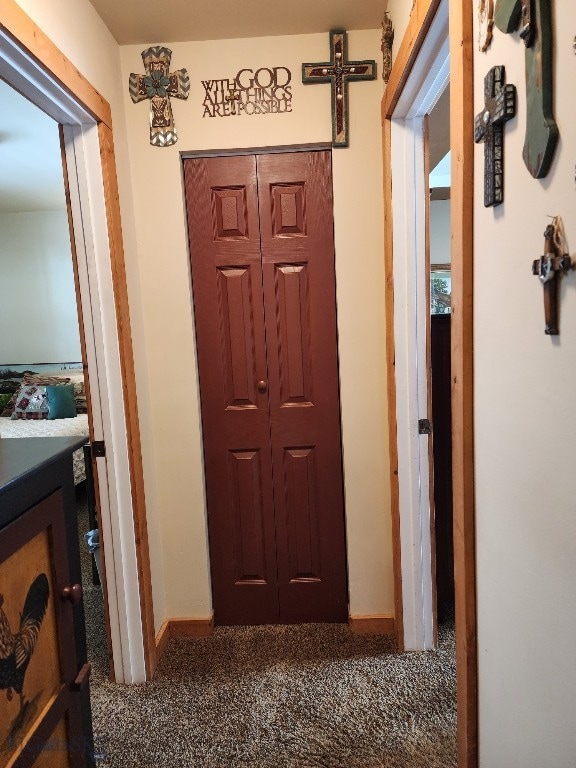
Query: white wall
<point x="440" y="232"/>
<point x="525" y="425"/>
<point x="168" y="323"/>
<point x="37" y="296"/>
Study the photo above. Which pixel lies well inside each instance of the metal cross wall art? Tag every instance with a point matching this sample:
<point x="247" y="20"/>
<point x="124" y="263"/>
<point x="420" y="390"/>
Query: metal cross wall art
<point x="339" y="72"/>
<point x="499" y="107"/>
<point x="485" y="24"/>
<point x="549" y="269"/>
<point x="158" y="85"/>
<point x="534" y="19"/>
<point x="386" y="46"/>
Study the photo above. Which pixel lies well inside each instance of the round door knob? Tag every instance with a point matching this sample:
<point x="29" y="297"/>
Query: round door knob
<point x="262" y="386"/>
<point x="73" y="594"/>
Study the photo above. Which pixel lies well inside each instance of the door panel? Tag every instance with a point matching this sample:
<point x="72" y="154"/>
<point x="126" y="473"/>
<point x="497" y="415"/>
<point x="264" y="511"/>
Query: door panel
<point x="262" y="252"/>
<point x="223" y="225"/>
<point x="296" y="225"/>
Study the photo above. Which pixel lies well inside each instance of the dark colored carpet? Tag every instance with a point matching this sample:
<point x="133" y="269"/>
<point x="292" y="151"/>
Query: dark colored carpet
<point x="303" y="696"/>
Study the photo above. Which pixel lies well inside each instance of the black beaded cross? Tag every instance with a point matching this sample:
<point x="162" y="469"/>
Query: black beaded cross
<point x="500" y="106"/>
<point x="339" y="72"/>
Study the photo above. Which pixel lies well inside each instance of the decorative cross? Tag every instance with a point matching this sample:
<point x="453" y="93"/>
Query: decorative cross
<point x="386" y="46"/>
<point x="158" y="84"/>
<point x="339" y="71"/>
<point x="233" y="98"/>
<point x="549" y="268"/>
<point x="500" y="106"/>
<point x="534" y="19"/>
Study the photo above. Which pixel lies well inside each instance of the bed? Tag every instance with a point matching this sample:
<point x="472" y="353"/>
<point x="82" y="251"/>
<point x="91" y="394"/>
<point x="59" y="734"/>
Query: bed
<point x="74" y="426"/>
<point x="57" y="428"/>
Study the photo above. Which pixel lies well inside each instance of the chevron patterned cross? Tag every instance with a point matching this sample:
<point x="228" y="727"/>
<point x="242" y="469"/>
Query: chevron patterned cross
<point x="158" y="85"/>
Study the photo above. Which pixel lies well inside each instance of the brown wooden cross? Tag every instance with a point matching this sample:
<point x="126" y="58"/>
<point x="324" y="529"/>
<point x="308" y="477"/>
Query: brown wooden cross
<point x="158" y="85"/>
<point x="549" y="268"/>
<point x="499" y="107"/>
<point x="339" y="72"/>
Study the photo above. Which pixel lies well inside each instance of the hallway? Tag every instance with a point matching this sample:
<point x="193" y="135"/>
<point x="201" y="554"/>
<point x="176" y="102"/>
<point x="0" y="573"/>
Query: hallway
<point x="299" y="696"/>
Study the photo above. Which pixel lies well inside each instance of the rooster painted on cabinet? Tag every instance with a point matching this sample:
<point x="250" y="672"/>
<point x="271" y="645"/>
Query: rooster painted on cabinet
<point x="16" y="649"/>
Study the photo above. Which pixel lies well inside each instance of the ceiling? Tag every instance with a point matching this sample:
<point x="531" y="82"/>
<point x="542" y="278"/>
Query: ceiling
<point x="165" y="21"/>
<point x="30" y="162"/>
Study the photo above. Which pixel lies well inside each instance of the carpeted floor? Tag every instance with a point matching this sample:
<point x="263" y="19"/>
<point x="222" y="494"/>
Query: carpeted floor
<point x="302" y="696"/>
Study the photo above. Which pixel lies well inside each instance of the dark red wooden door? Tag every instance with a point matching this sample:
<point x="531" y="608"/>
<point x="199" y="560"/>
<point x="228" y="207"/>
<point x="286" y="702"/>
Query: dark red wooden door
<point x="262" y="254"/>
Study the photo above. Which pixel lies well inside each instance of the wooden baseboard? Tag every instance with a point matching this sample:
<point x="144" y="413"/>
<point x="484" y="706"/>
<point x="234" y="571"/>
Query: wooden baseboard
<point x="191" y="627"/>
<point x="182" y="628"/>
<point x="377" y="624"/>
<point x="162" y="639"/>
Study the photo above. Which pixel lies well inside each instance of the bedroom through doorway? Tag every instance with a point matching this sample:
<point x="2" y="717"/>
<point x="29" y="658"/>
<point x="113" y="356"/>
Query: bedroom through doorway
<point x="42" y="346"/>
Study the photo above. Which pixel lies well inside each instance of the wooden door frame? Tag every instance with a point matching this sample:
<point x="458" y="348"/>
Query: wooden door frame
<point x="462" y="213"/>
<point x="44" y="74"/>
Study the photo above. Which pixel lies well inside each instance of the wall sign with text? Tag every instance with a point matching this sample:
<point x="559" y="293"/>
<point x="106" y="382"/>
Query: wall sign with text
<point x="262" y="91"/>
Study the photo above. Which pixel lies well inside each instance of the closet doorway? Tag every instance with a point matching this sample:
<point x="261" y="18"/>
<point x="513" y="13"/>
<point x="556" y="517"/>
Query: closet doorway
<point x="262" y="254"/>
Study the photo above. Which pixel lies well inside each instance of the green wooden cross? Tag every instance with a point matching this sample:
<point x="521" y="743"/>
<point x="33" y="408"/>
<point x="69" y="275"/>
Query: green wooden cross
<point x="158" y="84"/>
<point x="534" y="19"/>
<point x="339" y="72"/>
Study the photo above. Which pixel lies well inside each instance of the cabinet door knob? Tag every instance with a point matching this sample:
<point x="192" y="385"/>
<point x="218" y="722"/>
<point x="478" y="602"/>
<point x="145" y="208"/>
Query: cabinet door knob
<point x="73" y="594"/>
<point x="262" y="386"/>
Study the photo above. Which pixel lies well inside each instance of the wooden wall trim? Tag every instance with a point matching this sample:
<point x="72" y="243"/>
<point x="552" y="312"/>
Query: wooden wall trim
<point x="129" y="391"/>
<point x="181" y="628"/>
<point x="376" y="624"/>
<point x="185" y="627"/>
<point x="462" y="219"/>
<point x="391" y="381"/>
<point x="462" y="232"/>
<point x="20" y="27"/>
<point x="162" y="639"/>
<point x="420" y="19"/>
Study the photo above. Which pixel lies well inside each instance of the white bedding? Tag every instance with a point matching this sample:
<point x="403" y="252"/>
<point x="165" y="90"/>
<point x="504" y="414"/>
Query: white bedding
<point x="50" y="428"/>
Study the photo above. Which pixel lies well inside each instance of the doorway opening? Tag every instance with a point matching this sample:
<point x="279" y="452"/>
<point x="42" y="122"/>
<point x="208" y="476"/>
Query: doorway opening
<point x="38" y="71"/>
<point x="428" y="56"/>
<point x="44" y="342"/>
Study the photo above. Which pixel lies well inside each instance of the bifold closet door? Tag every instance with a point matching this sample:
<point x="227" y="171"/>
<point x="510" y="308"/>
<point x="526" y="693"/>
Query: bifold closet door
<point x="297" y="234"/>
<point x="262" y="254"/>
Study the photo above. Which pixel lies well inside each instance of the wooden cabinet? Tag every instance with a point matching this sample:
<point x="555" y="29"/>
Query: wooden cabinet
<point x="45" y="717"/>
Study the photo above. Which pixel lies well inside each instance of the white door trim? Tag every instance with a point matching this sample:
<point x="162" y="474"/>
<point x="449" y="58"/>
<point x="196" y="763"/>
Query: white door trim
<point x="103" y="355"/>
<point x="427" y="81"/>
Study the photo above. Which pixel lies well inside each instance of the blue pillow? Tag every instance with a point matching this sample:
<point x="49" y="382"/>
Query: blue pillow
<point x="61" y="403"/>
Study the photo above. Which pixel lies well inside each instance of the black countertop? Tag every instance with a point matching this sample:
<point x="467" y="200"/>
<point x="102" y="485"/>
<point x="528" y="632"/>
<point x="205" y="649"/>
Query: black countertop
<point x="21" y="456"/>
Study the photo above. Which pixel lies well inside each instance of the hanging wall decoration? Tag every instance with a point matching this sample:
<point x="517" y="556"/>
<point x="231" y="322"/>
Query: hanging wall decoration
<point x="158" y="85"/>
<point x="262" y="91"/>
<point x="386" y="47"/>
<point x="549" y="268"/>
<point x="485" y="24"/>
<point x="339" y="72"/>
<point x="533" y="17"/>
<point x="499" y="107"/>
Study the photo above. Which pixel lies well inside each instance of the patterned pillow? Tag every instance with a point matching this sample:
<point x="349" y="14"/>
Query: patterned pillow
<point x="79" y="393"/>
<point x="31" y="403"/>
